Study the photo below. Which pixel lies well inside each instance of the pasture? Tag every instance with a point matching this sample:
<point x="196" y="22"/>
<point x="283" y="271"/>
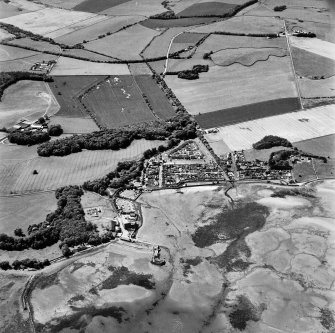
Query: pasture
<point x="157" y="99"/>
<point x="118" y="102"/>
<point x="218" y="88"/>
<point x="47" y="20"/>
<point x="53" y="172"/>
<point x="66" y="89"/>
<point x="130" y="42"/>
<point x="75" y="125"/>
<point x="247" y="112"/>
<point x="244" y="25"/>
<point x="92" y="32"/>
<point x="26" y="99"/>
<point x="67" y="66"/>
<point x="310" y="65"/>
<point x="295" y="126"/>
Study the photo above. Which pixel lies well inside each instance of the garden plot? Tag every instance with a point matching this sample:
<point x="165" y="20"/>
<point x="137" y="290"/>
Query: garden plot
<point x="217" y="89"/>
<point x="296" y="126"/>
<point x="126" y="44"/>
<point x="67" y="66"/>
<point x="245" y="25"/>
<point x="47" y="20"/>
<point x="317" y="88"/>
<point x="26" y="99"/>
<point x="92" y="32"/>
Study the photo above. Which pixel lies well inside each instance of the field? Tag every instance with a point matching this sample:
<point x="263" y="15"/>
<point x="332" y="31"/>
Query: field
<point x="11" y="53"/>
<point x="47" y="20"/>
<point x="207" y="8"/>
<point x="75" y="125"/>
<point x="217" y="89"/>
<point x="96" y="6"/>
<point x="66" y="89"/>
<point x="21" y="211"/>
<point x="130" y="42"/>
<point x="183" y="22"/>
<point x="247" y="112"/>
<point x="14" y="8"/>
<point x="26" y="99"/>
<point x="53" y="172"/>
<point x="67" y="66"/>
<point x="245" y="25"/>
<point x="296" y="126"/>
<point x="117" y="102"/>
<point x="92" y="32"/>
<point x="37" y="45"/>
<point x="4" y="35"/>
<point x="66" y="4"/>
<point x="81" y="53"/>
<point x="139" y="69"/>
<point x="317" y="88"/>
<point x="324" y="145"/>
<point x="159" y="102"/>
<point x="310" y="65"/>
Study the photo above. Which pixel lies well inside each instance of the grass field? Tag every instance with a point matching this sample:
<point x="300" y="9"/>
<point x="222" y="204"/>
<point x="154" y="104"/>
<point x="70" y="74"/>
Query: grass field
<point x="160" y="104"/>
<point x="247" y="112"/>
<point x="53" y="172"/>
<point x="85" y="54"/>
<point x="139" y="69"/>
<point x="226" y="87"/>
<point x="91" y="32"/>
<point x="317" y="88"/>
<point x="66" y="4"/>
<point x="68" y="66"/>
<point x="21" y="211"/>
<point x="246" y="56"/>
<point x="37" y="45"/>
<point x="183" y="22"/>
<point x="324" y="145"/>
<point x="10" y="53"/>
<point x="75" y="124"/>
<point x="47" y="20"/>
<point x="130" y="42"/>
<point x="296" y="126"/>
<point x="66" y="89"/>
<point x="308" y="64"/>
<point x="244" y="24"/>
<point x="14" y="8"/>
<point x="117" y="102"/>
<point x="26" y="99"/>
<point x="207" y="8"/>
<point x="96" y="6"/>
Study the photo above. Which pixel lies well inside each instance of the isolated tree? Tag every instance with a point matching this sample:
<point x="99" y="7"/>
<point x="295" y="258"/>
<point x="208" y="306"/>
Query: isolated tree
<point x="55" y="130"/>
<point x="35" y="172"/>
<point x="41" y="120"/>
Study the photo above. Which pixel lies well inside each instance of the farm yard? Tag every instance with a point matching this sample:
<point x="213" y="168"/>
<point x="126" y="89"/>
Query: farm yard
<point x="130" y="42"/>
<point x="26" y="99"/>
<point x="117" y="102"/>
<point x="217" y="89"/>
<point x="67" y="66"/>
<point x="67" y="89"/>
<point x="296" y="126"/>
<point x="53" y="172"/>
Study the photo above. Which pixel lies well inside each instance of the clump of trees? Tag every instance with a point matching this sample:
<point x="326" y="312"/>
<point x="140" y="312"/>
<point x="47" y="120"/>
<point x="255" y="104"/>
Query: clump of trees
<point x="24" y="264"/>
<point x="193" y="74"/>
<point x="279" y="160"/>
<point x="178" y="127"/>
<point x="270" y="141"/>
<point x="28" y="137"/>
<point x="55" y="130"/>
<point x="279" y="8"/>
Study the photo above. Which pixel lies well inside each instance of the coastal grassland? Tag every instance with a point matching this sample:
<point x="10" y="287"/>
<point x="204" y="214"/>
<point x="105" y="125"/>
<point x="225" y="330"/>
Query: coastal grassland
<point x="217" y="89"/>
<point x="26" y="99"/>
<point x="53" y="172"/>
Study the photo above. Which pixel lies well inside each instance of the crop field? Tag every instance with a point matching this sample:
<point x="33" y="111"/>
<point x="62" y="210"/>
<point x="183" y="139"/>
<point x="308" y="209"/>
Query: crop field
<point x="182" y="22"/>
<point x="160" y="44"/>
<point x="53" y="172"/>
<point x="65" y="4"/>
<point x="130" y="42"/>
<point x="159" y="102"/>
<point x="217" y="89"/>
<point x="26" y="99"/>
<point x="317" y="88"/>
<point x="295" y="126"/>
<point x="246" y="56"/>
<point x="91" y="32"/>
<point x="47" y="20"/>
<point x="247" y="112"/>
<point x="144" y="8"/>
<point x="21" y="211"/>
<point x="96" y="6"/>
<point x="67" y="66"/>
<point x="75" y="125"/>
<point x="314" y="45"/>
<point x="244" y="24"/>
<point x="117" y="102"/>
<point x="308" y="64"/>
<point x="67" y="89"/>
<point x="207" y="8"/>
